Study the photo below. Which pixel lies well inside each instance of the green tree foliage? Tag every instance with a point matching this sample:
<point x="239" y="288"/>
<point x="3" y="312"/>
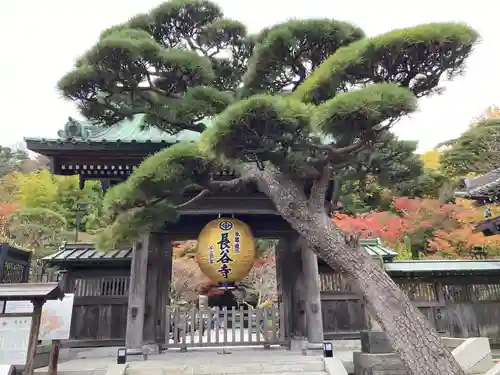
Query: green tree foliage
<point x="40" y="229"/>
<point x="44" y="207"/>
<point x="476" y="151"/>
<point x="296" y="109"/>
<point x="42" y="190"/>
<point x="390" y="168"/>
<point x="11" y="160"/>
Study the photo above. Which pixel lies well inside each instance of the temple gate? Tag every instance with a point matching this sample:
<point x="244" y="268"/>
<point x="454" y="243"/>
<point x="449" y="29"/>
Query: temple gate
<point x="109" y="155"/>
<point x="122" y="295"/>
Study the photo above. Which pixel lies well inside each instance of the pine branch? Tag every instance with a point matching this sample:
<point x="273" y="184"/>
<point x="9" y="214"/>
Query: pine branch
<point x="212" y="187"/>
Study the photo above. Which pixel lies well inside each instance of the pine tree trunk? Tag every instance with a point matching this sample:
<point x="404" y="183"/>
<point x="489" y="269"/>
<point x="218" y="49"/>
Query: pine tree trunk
<point x="410" y="334"/>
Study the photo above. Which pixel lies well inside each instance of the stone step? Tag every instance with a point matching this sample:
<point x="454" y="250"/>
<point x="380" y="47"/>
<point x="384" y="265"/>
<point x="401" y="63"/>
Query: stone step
<point x="236" y="360"/>
<point x="269" y="367"/>
<point x="199" y="363"/>
<point x="280" y="373"/>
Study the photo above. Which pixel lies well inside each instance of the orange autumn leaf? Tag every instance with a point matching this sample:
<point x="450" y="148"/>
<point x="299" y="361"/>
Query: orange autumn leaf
<point x="5" y="211"/>
<point x="447" y="230"/>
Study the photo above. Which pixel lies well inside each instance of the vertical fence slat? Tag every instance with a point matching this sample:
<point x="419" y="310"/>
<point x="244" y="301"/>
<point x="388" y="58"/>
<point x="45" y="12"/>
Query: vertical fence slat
<point x="258" y="323"/>
<point x="233" y="324"/>
<point x="265" y="323"/>
<point x="193" y="324"/>
<point x="209" y="325"/>
<point x="241" y="319"/>
<point x="249" y="320"/>
<point x="274" y="328"/>
<point x="217" y="324"/>
<point x="201" y="325"/>
<point x="281" y="323"/>
<point x="176" y="325"/>
<point x="224" y="335"/>
<point x="168" y="325"/>
<point x="184" y="332"/>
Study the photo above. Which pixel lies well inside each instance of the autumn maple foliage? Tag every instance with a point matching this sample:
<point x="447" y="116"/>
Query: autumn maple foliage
<point x="5" y="211"/>
<point x="463" y="239"/>
<point x="445" y="230"/>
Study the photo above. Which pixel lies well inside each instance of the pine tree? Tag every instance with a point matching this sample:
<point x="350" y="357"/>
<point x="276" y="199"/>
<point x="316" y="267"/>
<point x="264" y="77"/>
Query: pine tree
<point x="294" y="104"/>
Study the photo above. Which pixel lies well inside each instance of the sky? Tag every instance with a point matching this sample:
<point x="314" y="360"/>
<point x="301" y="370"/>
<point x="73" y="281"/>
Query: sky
<point x="42" y="39"/>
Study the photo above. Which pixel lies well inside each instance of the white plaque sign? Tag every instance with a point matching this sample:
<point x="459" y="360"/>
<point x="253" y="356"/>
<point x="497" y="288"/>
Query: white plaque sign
<point x="56" y="319"/>
<point x="18" y="307"/>
<point x="14" y="338"/>
<point x="56" y="316"/>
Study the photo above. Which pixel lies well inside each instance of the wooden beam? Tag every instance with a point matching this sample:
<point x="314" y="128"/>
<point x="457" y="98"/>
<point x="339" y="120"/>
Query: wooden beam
<point x="137" y="293"/>
<point x="254" y="204"/>
<point x="188" y="227"/>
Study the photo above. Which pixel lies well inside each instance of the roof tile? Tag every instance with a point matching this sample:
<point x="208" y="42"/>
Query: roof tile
<point x="134" y="130"/>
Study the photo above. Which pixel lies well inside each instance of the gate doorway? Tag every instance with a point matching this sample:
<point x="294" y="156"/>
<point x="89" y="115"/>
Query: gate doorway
<point x="223" y="327"/>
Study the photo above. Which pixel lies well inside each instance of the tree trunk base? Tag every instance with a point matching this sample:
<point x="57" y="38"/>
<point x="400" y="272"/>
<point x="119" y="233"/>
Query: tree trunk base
<point x="372" y="364"/>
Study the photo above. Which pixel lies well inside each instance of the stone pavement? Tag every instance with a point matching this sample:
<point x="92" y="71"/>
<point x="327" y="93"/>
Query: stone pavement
<point x="200" y="361"/>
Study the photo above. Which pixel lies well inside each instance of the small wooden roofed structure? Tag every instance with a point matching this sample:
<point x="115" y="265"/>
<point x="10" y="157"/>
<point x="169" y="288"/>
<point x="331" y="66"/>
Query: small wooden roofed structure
<point x="483" y="190"/>
<point x="14" y="264"/>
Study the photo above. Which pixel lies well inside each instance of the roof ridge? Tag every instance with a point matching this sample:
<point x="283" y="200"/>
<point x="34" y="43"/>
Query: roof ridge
<point x="130" y="130"/>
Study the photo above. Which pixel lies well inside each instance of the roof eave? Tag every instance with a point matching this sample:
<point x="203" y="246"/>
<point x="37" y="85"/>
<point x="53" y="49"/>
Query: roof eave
<point x="53" y="146"/>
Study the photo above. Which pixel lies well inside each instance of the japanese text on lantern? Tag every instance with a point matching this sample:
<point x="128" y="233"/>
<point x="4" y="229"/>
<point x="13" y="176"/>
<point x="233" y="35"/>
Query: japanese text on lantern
<point x="211" y="256"/>
<point x="237" y="242"/>
<point x="225" y="249"/>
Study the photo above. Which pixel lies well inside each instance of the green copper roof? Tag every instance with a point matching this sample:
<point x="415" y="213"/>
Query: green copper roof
<point x="374" y="248"/>
<point x="125" y="131"/>
<point x="87" y="252"/>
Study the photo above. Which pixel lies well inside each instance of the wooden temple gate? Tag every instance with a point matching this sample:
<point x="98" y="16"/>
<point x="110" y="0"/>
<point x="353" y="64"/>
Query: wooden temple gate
<point x="122" y="295"/>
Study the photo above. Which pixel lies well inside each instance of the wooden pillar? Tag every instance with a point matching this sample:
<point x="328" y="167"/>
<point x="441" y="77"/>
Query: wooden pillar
<point x="285" y="283"/>
<point x="293" y="273"/>
<point x="155" y="264"/>
<point x="312" y="289"/>
<point x="163" y="287"/>
<point x="299" y="305"/>
<point x="63" y="281"/>
<point x="36" y="318"/>
<point x="137" y="293"/>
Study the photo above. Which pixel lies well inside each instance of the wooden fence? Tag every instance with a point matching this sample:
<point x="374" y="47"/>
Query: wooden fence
<point x="191" y="327"/>
<point x="100" y="308"/>
<point x="343" y="309"/>
<point x="466" y="306"/>
<point x="41" y="274"/>
<point x="459" y="307"/>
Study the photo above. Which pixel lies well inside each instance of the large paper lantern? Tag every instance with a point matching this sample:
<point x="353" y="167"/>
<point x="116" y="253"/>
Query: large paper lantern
<point x="226" y="250"/>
